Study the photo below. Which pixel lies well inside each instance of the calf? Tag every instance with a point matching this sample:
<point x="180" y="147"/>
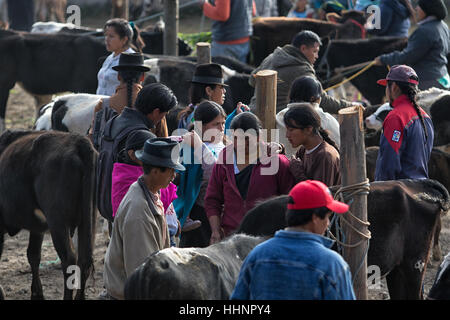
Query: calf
<point x="441" y="286"/>
<point x="402" y="214"/>
<point x="47" y="183"/>
<point x="438" y="169"/>
<point x="191" y="273"/>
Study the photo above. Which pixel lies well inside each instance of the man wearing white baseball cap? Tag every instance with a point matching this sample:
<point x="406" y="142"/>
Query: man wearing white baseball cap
<point x="297" y="263"/>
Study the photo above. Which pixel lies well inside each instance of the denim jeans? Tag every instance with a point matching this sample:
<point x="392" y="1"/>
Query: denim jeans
<point x="237" y="51"/>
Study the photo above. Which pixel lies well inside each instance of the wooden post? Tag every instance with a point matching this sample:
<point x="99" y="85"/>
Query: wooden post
<point x="120" y="9"/>
<point x="353" y="171"/>
<point x="266" y="99"/>
<point x="203" y="52"/>
<point x="171" y="18"/>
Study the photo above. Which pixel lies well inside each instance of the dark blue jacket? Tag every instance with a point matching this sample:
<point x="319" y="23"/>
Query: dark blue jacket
<point x="239" y="25"/>
<point x="404" y="149"/>
<point x="426" y="52"/>
<point x="394" y="20"/>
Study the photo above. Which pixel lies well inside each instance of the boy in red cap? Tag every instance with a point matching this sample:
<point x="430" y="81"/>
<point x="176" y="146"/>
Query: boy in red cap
<point x="297" y="263"/>
<point x="408" y="134"/>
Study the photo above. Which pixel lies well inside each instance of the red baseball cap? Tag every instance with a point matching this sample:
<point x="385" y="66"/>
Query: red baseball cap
<point x="312" y="194"/>
<point x="401" y="73"/>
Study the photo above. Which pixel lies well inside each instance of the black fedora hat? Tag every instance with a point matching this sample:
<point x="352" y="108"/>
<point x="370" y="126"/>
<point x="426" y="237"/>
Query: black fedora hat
<point x="158" y="152"/>
<point x="435" y="8"/>
<point x="209" y="73"/>
<point x="131" y="61"/>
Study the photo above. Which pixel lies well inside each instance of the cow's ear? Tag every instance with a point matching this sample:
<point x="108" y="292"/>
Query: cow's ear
<point x="333" y="17"/>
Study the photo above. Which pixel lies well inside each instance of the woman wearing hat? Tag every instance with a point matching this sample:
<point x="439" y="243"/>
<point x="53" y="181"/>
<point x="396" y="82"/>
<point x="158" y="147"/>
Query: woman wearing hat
<point x="120" y="36"/>
<point x="427" y="47"/>
<point x="407" y="138"/>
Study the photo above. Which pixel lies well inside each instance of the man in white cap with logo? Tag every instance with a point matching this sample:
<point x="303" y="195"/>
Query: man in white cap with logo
<point x="297" y="263"/>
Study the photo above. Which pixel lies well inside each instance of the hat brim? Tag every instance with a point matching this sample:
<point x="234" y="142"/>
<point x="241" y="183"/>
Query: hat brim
<point x="216" y="83"/>
<point x="131" y="67"/>
<point x="338" y="207"/>
<point x="382" y="82"/>
<point x="159" y="162"/>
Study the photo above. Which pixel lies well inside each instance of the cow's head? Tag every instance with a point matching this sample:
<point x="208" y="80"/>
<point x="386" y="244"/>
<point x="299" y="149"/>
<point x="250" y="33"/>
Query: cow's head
<point x="375" y="120"/>
<point x="441" y="286"/>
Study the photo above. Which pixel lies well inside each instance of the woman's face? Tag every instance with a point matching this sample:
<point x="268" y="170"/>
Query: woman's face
<point x="420" y="14"/>
<point x="213" y="130"/>
<point x="297" y="137"/>
<point x="114" y="43"/>
<point x="217" y="94"/>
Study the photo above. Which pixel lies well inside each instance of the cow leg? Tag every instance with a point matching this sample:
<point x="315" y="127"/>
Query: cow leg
<point x="62" y="244"/>
<point x="4" y="95"/>
<point x="34" y="258"/>
<point x="405" y="281"/>
<point x="437" y="254"/>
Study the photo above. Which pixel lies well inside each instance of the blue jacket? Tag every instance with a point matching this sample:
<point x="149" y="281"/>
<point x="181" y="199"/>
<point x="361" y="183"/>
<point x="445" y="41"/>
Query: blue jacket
<point x="394" y="20"/>
<point x="294" y="266"/>
<point x="404" y="150"/>
<point x="426" y="51"/>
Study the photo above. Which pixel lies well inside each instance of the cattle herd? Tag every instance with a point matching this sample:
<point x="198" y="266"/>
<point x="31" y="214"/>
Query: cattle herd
<point x="47" y="174"/>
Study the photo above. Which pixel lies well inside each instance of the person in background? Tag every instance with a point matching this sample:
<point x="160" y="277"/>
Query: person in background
<point x="232" y="27"/>
<point x="407" y="137"/>
<point x="362" y="5"/>
<point x="266" y="8"/>
<point x="21" y="14"/>
<point x="298" y="263"/>
<point x="301" y="9"/>
<point x="428" y="47"/>
<point x="395" y="19"/>
<point x="243" y="175"/>
<point x="120" y="36"/>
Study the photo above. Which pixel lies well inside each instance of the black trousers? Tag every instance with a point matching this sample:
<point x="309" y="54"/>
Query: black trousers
<point x="198" y="237"/>
<point x="21" y="14"/>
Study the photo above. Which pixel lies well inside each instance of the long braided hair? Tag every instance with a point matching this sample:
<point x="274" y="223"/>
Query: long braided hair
<point x="130" y="77"/>
<point x="411" y="92"/>
<point x="303" y="115"/>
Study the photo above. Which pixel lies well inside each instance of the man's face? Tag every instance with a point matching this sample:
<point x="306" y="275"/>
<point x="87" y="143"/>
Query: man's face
<point x="321" y="225"/>
<point x="310" y="52"/>
<point x="163" y="178"/>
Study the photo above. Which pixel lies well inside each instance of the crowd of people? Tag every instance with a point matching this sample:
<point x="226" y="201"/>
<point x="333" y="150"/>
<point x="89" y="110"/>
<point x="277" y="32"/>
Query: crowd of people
<point x="158" y="189"/>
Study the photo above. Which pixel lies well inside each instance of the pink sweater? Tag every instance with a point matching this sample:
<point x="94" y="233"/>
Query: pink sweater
<point x="222" y="189"/>
<point x="124" y="175"/>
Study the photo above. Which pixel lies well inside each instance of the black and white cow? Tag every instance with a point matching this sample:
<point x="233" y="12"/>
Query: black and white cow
<point x="441" y="286"/>
<point x="191" y="273"/>
<point x="47" y="182"/>
<point x="403" y="215"/>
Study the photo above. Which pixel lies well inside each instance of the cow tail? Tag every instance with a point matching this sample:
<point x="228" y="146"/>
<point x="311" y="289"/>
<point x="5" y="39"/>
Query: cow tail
<point x="86" y="228"/>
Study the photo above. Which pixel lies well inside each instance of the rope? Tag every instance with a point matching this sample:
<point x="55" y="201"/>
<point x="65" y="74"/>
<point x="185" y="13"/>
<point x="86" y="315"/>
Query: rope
<point x="370" y="64"/>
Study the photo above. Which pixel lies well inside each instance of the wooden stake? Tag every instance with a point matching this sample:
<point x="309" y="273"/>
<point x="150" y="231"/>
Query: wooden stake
<point x="171" y="18"/>
<point x="353" y="171"/>
<point x="203" y="52"/>
<point x="266" y="99"/>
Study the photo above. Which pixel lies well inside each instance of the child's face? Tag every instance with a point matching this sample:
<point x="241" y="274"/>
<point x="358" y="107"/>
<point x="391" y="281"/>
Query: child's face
<point x="301" y="5"/>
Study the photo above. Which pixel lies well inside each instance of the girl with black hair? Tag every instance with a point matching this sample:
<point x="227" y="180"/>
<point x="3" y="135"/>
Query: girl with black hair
<point x="318" y="156"/>
<point x="242" y="176"/>
<point x="210" y="118"/>
<point x="120" y="36"/>
<point x="407" y="139"/>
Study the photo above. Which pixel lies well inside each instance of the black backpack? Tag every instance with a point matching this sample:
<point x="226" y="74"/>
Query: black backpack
<point x="108" y="148"/>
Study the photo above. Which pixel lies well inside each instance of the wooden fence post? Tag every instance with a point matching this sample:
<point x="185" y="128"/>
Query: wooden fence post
<point x="171" y="17"/>
<point x="266" y="99"/>
<point x="203" y="52"/>
<point x="353" y="171"/>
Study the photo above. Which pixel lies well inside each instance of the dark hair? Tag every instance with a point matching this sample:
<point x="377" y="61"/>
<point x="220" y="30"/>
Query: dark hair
<point x="411" y="91"/>
<point x="303" y="115"/>
<point x="305" y="37"/>
<point x="207" y="111"/>
<point x="155" y="96"/>
<point x="246" y="121"/>
<point x="125" y="29"/>
<point x="130" y="77"/>
<point x="148" y="167"/>
<point x="197" y="93"/>
<point x="305" y="89"/>
<point x="410" y="8"/>
<point x="302" y="217"/>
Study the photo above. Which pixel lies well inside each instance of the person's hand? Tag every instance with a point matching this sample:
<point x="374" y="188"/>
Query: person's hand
<point x="192" y="139"/>
<point x="378" y="62"/>
<point x="241" y="106"/>
<point x="215" y="237"/>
